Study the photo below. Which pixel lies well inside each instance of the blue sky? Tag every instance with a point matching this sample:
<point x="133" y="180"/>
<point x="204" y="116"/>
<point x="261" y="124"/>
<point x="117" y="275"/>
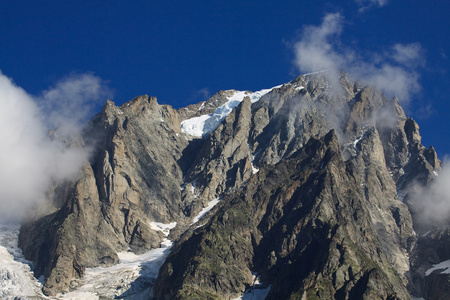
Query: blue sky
<point x="185" y="51"/>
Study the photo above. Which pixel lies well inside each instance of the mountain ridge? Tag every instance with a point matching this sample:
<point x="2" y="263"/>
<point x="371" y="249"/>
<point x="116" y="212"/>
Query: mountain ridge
<point x="146" y="169"/>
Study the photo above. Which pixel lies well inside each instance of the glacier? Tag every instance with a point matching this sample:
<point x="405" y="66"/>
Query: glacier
<point x="203" y="125"/>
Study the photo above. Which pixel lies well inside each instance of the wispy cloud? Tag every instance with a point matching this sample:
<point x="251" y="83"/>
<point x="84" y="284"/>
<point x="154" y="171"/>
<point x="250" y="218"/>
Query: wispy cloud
<point x="433" y="202"/>
<point x="199" y="96"/>
<point x="410" y="55"/>
<point x="365" y="4"/>
<point x="69" y="103"/>
<point x="395" y="70"/>
<point x="30" y="161"/>
<point x="202" y="94"/>
<point x="424" y="111"/>
<point x="316" y="50"/>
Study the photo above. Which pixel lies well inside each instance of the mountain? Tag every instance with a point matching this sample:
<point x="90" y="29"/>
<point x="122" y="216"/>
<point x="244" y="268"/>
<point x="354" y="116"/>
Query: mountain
<point x="302" y="191"/>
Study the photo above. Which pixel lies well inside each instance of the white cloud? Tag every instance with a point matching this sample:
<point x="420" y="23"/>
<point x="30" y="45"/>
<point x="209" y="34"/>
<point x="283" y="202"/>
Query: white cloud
<point x="394" y="71"/>
<point x="68" y="104"/>
<point x="315" y="50"/>
<point x="433" y="202"/>
<point x="425" y="111"/>
<point x="202" y="94"/>
<point x="365" y="4"/>
<point x="393" y="80"/>
<point x="29" y="160"/>
<point x="410" y="55"/>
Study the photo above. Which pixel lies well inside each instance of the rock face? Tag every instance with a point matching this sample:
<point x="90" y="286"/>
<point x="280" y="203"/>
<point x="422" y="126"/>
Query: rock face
<point x="313" y="183"/>
<point x="302" y="218"/>
<point x="432" y="249"/>
<point x="133" y="179"/>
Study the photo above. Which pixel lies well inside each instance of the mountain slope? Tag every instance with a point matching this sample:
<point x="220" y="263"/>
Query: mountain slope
<point x="305" y="178"/>
<point x="301" y="218"/>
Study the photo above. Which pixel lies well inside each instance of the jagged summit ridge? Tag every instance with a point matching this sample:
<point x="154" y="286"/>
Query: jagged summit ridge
<point x="306" y="165"/>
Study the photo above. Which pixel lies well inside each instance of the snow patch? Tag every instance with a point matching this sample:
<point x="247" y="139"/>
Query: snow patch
<point x="205" y="210"/>
<point x="164" y="228"/>
<point x="252" y="158"/>
<point x="426" y="233"/>
<point x="444" y="266"/>
<point x="356" y="141"/>
<point x="255" y="294"/>
<point x="256" y="291"/>
<point x="201" y="106"/>
<point x="203" y="125"/>
<point x="254" y="169"/>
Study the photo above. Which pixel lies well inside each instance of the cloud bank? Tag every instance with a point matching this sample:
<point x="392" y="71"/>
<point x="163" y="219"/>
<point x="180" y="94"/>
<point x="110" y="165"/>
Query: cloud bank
<point x="395" y="71"/>
<point x="30" y="162"/>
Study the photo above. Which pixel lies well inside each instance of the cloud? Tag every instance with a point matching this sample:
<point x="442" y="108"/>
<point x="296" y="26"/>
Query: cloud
<point x="69" y="103"/>
<point x="203" y="94"/>
<point x="395" y="70"/>
<point x="411" y="55"/>
<point x="315" y="51"/>
<point x="433" y="202"/>
<point x="424" y="112"/>
<point x="30" y="162"/>
<point x="365" y="4"/>
<point x="391" y="79"/>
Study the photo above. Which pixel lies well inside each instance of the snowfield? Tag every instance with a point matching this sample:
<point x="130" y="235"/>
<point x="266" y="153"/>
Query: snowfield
<point x="203" y="125"/>
<point x="16" y="277"/>
<point x="130" y="278"/>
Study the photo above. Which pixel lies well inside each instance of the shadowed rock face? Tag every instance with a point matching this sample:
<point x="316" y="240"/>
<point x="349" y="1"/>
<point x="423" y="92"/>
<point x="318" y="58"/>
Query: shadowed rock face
<point x="304" y="224"/>
<point x="321" y="218"/>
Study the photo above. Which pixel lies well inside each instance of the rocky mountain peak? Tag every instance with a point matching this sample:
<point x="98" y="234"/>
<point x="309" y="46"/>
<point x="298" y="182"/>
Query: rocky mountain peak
<point x="306" y="184"/>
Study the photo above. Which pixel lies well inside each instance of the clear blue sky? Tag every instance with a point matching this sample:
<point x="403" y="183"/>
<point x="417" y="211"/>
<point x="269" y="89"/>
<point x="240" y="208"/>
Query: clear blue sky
<point x="182" y="51"/>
